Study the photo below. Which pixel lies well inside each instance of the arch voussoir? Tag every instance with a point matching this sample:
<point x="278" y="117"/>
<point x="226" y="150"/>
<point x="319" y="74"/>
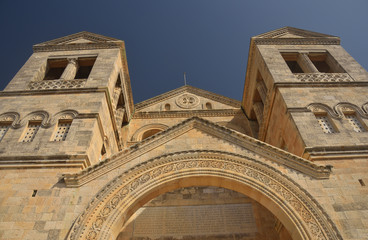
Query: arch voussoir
<point x="116" y="202"/>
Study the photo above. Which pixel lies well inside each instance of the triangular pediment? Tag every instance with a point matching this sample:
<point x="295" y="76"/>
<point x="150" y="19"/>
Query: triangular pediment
<point x="81" y="40"/>
<point x="187" y="98"/>
<point x="196" y="134"/>
<point x="292" y="35"/>
<point x="291" y="32"/>
<point x="289" y="35"/>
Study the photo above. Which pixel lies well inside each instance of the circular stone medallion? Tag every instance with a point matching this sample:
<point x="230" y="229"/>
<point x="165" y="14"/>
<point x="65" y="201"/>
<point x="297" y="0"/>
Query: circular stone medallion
<point x="187" y="101"/>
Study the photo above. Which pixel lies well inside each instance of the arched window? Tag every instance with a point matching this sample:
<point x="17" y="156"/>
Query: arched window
<point x="167" y="107"/>
<point x="208" y="106"/>
<point x="4" y="127"/>
<point x="325" y="123"/>
<point x="150" y="133"/>
<point x="147" y="131"/>
<point x="355" y="122"/>
<point x="324" y="115"/>
<point x="62" y="129"/>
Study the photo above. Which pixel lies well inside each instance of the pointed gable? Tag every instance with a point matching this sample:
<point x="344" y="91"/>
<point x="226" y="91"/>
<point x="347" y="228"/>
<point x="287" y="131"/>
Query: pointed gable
<point x="187" y="98"/>
<point x="79" y="41"/>
<point x="290" y="35"/>
<point x="206" y="135"/>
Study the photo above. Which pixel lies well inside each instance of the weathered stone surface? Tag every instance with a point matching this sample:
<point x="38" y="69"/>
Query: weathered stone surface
<point x="186" y="164"/>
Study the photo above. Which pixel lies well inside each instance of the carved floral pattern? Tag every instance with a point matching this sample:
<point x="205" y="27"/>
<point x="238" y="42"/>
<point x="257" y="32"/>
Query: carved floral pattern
<point x="323" y="77"/>
<point x="323" y="108"/>
<point x="338" y="110"/>
<point x="42" y="116"/>
<point x="345" y="107"/>
<point x="187" y="101"/>
<point x="12" y="117"/>
<point x="126" y="188"/>
<point x="57" y="84"/>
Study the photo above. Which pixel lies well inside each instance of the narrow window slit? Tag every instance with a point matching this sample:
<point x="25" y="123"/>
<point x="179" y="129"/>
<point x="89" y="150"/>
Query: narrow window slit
<point x="362" y="183"/>
<point x="34" y="193"/>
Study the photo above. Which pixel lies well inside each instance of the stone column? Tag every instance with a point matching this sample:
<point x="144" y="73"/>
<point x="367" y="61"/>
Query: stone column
<point x="70" y="70"/>
<point x="306" y="64"/>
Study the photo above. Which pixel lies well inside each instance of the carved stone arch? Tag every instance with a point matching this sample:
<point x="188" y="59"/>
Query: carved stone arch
<point x="42" y="116"/>
<point x="137" y="136"/>
<point x="107" y="212"/>
<point x="12" y="117"/>
<point x="323" y="108"/>
<point x="344" y="107"/>
<point x="65" y="114"/>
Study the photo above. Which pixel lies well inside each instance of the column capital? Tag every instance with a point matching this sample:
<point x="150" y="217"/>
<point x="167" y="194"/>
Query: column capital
<point x="72" y="60"/>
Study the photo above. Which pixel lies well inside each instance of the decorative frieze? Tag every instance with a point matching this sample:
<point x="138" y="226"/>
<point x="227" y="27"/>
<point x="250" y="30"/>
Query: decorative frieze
<point x="323" y="77"/>
<point x="186" y="114"/>
<point x="57" y="84"/>
<point x="187" y="90"/>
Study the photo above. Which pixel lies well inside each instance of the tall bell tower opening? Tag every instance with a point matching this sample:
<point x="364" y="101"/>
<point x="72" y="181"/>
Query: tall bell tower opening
<point x="306" y="94"/>
<point x="66" y="103"/>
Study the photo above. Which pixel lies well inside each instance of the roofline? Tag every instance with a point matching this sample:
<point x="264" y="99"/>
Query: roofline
<point x="310" y="37"/>
<point x="101" y="42"/>
<point x="177" y="91"/>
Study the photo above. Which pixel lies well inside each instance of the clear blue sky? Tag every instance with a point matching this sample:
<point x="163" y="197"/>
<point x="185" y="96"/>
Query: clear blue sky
<point x="208" y="39"/>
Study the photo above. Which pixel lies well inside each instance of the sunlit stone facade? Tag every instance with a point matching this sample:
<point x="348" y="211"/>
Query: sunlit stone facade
<point x="80" y="160"/>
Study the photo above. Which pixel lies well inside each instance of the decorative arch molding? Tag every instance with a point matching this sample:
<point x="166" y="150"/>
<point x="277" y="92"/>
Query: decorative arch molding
<point x="120" y="198"/>
<point x="65" y="114"/>
<point x="42" y="116"/>
<point x="365" y="108"/>
<point x="340" y="108"/>
<point x="323" y="108"/>
<point x="137" y="136"/>
<point x="12" y="117"/>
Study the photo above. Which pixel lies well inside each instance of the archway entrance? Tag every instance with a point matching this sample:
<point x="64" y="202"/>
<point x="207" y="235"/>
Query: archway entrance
<point x="122" y="197"/>
<point x="198" y="213"/>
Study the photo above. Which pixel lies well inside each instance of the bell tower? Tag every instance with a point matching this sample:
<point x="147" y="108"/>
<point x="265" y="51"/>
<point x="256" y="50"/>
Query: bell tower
<point x="319" y="86"/>
<point x="66" y="105"/>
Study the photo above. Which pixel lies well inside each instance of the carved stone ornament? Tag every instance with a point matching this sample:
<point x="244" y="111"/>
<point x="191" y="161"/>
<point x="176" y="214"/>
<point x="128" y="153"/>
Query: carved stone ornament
<point x="57" y="84"/>
<point x="365" y="108"/>
<point x="187" y="101"/>
<point x="189" y="90"/>
<point x="323" y="77"/>
<point x="113" y="205"/>
<point x="37" y="117"/>
<point x="68" y="114"/>
<point x="322" y="108"/>
<point x="42" y="116"/>
<point x="349" y="108"/>
<point x="12" y="117"/>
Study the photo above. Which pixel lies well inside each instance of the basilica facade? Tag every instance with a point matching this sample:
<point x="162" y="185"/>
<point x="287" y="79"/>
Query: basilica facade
<point x="80" y="160"/>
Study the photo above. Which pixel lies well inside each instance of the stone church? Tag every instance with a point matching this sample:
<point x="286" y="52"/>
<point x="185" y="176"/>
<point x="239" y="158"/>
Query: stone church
<point x="80" y="160"/>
